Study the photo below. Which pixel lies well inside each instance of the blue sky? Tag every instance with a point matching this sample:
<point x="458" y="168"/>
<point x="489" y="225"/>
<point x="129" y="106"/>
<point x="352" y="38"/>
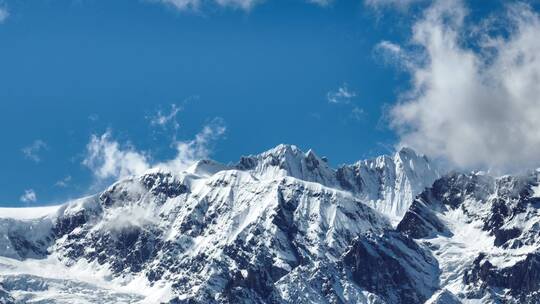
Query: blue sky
<point x="281" y="72"/>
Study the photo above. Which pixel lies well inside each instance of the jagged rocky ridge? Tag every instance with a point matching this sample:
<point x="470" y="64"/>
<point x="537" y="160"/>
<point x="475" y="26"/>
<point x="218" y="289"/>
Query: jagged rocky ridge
<point x="277" y="227"/>
<point x="283" y="227"/>
<point x="387" y="184"/>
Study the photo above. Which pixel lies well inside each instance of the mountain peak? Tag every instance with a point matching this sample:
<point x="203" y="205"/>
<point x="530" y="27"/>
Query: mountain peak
<point x="285" y="209"/>
<point x="288" y="160"/>
<point x="386" y="183"/>
<point x="283" y="149"/>
<point x="389" y="183"/>
<point x="407" y="153"/>
<point x="207" y="167"/>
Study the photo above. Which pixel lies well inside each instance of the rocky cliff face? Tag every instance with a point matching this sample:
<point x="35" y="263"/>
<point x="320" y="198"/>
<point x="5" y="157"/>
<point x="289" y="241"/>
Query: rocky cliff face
<point x="484" y="233"/>
<point x="388" y="184"/>
<point x="284" y="227"/>
<point x="232" y="237"/>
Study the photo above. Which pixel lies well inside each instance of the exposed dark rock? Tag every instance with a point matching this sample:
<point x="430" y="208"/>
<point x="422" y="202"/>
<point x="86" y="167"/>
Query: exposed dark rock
<point x="522" y="278"/>
<point x="420" y="221"/>
<point x="65" y="224"/>
<point x="26" y="248"/>
<point x="504" y="235"/>
<point x="161" y="183"/>
<point x="382" y="266"/>
<point x="5" y="297"/>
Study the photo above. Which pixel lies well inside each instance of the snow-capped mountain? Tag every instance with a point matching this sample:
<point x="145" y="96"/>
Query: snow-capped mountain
<point x="281" y="227"/>
<point x="387" y="183"/>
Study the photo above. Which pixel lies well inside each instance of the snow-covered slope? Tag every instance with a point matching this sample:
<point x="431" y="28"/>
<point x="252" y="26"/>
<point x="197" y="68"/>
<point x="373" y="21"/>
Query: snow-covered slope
<point x="485" y="234"/>
<point x="279" y="227"/>
<point x="387" y="183"/>
<point x="28" y="213"/>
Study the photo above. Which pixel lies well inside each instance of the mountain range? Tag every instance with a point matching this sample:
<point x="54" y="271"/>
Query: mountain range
<point x="283" y="226"/>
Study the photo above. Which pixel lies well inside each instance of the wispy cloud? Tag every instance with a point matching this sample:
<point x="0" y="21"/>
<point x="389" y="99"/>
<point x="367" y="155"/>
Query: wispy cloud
<point x="190" y="151"/>
<point x="183" y="4"/>
<point x="476" y="107"/>
<point x="194" y="5"/>
<point x="390" y="47"/>
<point x="315" y="115"/>
<point x="345" y="96"/>
<point x="240" y="4"/>
<point x="29" y="196"/>
<point x="393" y="54"/>
<point x="342" y="95"/>
<point x="32" y="152"/>
<point x="93" y="117"/>
<point x="322" y="3"/>
<point x="166" y="119"/>
<point x="64" y="182"/>
<point x="357" y="113"/>
<point x="4" y="14"/>
<point x="108" y="159"/>
<point x="245" y="5"/>
<point x="399" y="4"/>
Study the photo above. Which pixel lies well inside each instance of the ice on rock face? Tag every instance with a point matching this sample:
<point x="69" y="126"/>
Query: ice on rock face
<point x="280" y="227"/>
<point x="207" y="167"/>
<point x="484" y="232"/>
<point x="283" y="227"/>
<point x="389" y="184"/>
<point x="5" y="297"/>
<point x="288" y="160"/>
<point x="26" y="236"/>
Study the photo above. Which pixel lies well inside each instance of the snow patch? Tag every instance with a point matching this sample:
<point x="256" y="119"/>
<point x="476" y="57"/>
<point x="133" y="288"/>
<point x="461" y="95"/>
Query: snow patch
<point x="28" y="213"/>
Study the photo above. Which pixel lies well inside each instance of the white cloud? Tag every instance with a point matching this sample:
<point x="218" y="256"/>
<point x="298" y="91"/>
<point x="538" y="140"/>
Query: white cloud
<point x="322" y="3"/>
<point x="194" y="5"/>
<point x="246" y="5"/>
<point x="196" y="149"/>
<point x="477" y="107"/>
<point x="241" y="4"/>
<point x="393" y="53"/>
<point x="29" y="196"/>
<point x="357" y="113"/>
<point x="390" y="47"/>
<point x="4" y="14"/>
<point x="63" y="182"/>
<point x="400" y="4"/>
<point x="32" y="151"/>
<point x="182" y="4"/>
<point x="127" y="217"/>
<point x="164" y="120"/>
<point x="342" y="95"/>
<point x="108" y="159"/>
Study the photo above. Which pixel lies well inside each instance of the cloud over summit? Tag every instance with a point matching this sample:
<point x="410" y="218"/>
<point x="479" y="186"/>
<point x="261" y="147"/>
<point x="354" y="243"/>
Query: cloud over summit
<point x="109" y="159"/>
<point x="476" y="104"/>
